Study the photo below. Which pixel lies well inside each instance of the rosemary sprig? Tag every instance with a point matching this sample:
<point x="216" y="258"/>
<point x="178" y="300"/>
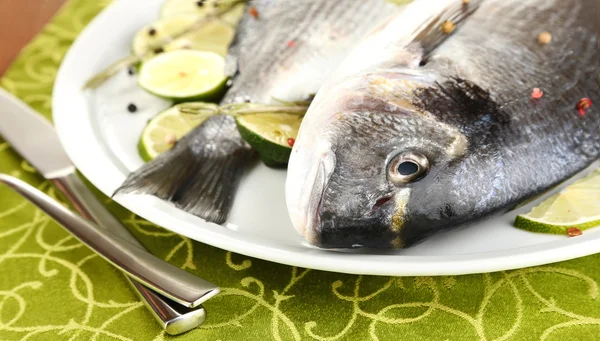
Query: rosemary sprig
<point x="200" y="110"/>
<point x="239" y="109"/>
<point x="129" y="61"/>
<point x="300" y="103"/>
<point x="110" y="71"/>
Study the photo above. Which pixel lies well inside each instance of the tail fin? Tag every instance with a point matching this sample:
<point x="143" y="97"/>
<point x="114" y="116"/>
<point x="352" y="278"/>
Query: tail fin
<point x="200" y="174"/>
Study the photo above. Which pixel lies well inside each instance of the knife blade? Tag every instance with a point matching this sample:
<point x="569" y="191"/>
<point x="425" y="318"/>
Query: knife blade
<point x="35" y="139"/>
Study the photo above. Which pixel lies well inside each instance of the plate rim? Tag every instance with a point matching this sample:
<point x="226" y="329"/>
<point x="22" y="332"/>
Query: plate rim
<point x="79" y="144"/>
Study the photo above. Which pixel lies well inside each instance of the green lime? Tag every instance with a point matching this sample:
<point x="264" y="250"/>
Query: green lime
<point x="271" y="135"/>
<point x="213" y="35"/>
<point x="185" y="75"/>
<point x="164" y="130"/>
<point x="152" y="36"/>
<point x="578" y="205"/>
<point x="400" y="2"/>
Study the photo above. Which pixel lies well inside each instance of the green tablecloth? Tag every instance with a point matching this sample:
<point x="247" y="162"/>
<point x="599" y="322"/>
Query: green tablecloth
<point x="53" y="288"/>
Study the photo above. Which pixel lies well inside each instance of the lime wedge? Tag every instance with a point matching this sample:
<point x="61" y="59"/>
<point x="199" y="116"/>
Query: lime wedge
<point x="400" y="2"/>
<point x="151" y="36"/>
<point x="204" y="8"/>
<point x="184" y="75"/>
<point x="164" y="130"/>
<point x="271" y="135"/>
<point x="213" y="35"/>
<point x="578" y="205"/>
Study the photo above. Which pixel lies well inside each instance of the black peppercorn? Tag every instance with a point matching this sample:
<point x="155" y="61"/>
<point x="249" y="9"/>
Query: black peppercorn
<point x="132" y="108"/>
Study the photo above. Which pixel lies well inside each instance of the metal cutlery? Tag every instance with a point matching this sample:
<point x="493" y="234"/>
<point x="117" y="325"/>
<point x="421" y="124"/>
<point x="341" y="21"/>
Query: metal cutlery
<point x="172" y="295"/>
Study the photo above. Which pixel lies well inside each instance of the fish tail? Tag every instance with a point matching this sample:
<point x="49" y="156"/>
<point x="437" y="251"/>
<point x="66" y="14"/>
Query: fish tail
<point x="200" y="174"/>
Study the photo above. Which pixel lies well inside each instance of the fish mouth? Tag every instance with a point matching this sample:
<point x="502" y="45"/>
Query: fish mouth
<point x="351" y="233"/>
<point x="317" y="220"/>
<point x="373" y="229"/>
<point x="331" y="230"/>
<point x="306" y="186"/>
<point x="324" y="171"/>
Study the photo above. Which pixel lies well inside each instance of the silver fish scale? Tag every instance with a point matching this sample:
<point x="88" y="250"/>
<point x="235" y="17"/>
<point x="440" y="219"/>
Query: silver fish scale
<point x="322" y="32"/>
<point x="487" y="52"/>
<point x="510" y="71"/>
<point x="467" y="109"/>
<point x="542" y="142"/>
<point x="286" y="52"/>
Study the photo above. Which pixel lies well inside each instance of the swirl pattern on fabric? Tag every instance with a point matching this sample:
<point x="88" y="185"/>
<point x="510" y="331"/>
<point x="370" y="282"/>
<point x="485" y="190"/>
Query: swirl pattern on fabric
<point x="53" y="288"/>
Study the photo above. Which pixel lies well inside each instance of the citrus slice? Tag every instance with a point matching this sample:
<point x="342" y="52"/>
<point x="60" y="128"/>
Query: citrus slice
<point x="184" y="75"/>
<point x="151" y="36"/>
<point x="213" y="35"/>
<point x="164" y="130"/>
<point x="272" y="135"/>
<point x="400" y="2"/>
<point x="204" y="8"/>
<point x="576" y="206"/>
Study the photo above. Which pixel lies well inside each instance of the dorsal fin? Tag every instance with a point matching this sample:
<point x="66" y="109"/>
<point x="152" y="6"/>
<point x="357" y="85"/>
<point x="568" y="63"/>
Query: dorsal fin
<point x="432" y="33"/>
<point x="406" y="38"/>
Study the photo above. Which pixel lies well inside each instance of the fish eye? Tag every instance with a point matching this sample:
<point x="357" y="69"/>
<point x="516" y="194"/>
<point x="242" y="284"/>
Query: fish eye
<point x="408" y="167"/>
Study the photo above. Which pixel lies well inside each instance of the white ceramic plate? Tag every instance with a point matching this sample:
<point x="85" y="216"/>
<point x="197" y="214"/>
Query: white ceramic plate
<point x="100" y="136"/>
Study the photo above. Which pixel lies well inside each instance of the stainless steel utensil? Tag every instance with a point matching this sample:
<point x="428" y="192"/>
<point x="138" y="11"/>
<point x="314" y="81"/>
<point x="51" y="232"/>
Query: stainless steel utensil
<point x="173" y="317"/>
<point x="33" y="137"/>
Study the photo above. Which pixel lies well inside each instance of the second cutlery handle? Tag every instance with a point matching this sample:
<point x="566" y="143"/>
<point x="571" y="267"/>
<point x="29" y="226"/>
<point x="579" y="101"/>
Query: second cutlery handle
<point x="89" y="207"/>
<point x="179" y="285"/>
<point x="173" y="317"/>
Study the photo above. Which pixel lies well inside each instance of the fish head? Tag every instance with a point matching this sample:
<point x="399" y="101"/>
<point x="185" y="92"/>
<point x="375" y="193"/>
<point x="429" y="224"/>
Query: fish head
<point x="379" y="172"/>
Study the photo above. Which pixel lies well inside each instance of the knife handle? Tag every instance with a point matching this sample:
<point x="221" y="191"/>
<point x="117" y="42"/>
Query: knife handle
<point x="173" y="317"/>
<point x="88" y="206"/>
<point x="178" y="285"/>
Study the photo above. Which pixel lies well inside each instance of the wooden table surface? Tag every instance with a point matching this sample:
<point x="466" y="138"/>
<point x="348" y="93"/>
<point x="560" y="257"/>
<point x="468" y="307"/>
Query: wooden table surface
<point x="20" y="20"/>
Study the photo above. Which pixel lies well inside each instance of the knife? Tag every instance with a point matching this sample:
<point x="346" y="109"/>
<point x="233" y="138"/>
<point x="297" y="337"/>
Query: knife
<point x="35" y="139"/>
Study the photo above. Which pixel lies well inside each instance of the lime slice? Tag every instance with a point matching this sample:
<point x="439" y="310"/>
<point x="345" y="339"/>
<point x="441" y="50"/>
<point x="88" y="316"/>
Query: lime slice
<point x="400" y="2"/>
<point x="271" y="135"/>
<point x="578" y="205"/>
<point x="204" y="8"/>
<point x="153" y="35"/>
<point x="214" y="35"/>
<point x="185" y="75"/>
<point x="161" y="132"/>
